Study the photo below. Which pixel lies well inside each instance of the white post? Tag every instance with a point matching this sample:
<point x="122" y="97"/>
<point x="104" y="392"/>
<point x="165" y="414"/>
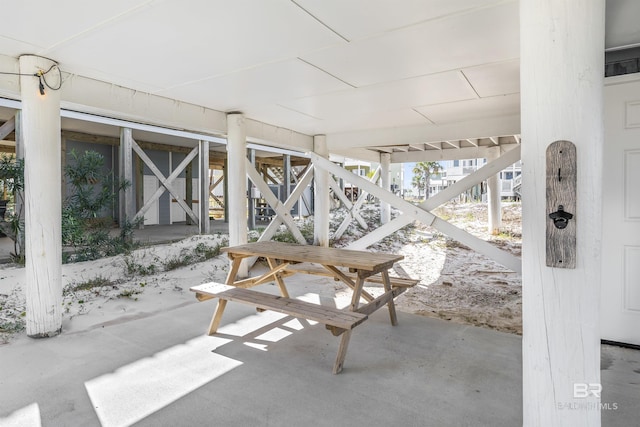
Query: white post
<point x="126" y="175"/>
<point x="561" y="73"/>
<point x="203" y="179"/>
<point x="237" y="183"/>
<point x="19" y="207"/>
<point x="493" y="195"/>
<point x="321" y="195"/>
<point x="385" y="208"/>
<point x="40" y="120"/>
<point x="286" y="171"/>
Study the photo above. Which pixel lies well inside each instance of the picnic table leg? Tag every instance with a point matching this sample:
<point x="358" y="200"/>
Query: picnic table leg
<point x="346" y="336"/>
<point x="357" y="293"/>
<point x="392" y="307"/>
<point x="217" y="317"/>
<point x="283" y="289"/>
<point x="342" y="352"/>
<point x="222" y="303"/>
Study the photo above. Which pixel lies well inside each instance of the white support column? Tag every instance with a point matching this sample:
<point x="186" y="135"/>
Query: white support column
<point x="237" y="182"/>
<point x="561" y="72"/>
<point x="286" y="171"/>
<point x="203" y="179"/>
<point x="385" y="208"/>
<point x="19" y="206"/>
<point x="251" y="202"/>
<point x="126" y="175"/>
<point x="321" y="195"/>
<point x="40" y="120"/>
<point x="493" y="195"/>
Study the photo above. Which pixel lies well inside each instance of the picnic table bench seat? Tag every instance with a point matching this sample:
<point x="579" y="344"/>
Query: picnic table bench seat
<point x="329" y="316"/>
<point x="311" y="268"/>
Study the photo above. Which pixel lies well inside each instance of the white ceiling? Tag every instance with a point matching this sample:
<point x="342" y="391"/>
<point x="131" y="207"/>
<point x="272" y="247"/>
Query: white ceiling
<point x="313" y="66"/>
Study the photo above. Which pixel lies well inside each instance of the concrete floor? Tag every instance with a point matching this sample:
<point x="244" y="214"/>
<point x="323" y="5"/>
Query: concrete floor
<point x="263" y="370"/>
<point x="270" y="370"/>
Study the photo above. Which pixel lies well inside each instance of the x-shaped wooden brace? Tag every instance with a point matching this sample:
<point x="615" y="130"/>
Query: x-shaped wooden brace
<point x="212" y="186"/>
<point x="411" y="212"/>
<point x="296" y="180"/>
<point x="166" y="182"/>
<point x="7" y="127"/>
<point x="282" y="210"/>
<point x="490" y="169"/>
<point x="353" y="208"/>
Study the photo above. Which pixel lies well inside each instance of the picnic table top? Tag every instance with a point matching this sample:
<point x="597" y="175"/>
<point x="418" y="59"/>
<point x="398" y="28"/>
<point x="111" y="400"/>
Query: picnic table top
<point x="359" y="260"/>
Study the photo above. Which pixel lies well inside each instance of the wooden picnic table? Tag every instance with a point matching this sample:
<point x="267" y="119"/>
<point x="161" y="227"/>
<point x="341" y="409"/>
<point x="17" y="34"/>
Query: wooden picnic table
<point x="353" y="268"/>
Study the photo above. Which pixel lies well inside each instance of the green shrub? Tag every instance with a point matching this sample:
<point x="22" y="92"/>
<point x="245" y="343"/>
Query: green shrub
<point x="95" y="282"/>
<point x="86" y="223"/>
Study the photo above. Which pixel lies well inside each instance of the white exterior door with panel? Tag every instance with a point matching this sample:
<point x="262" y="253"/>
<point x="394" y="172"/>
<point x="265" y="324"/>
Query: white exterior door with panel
<point x="620" y="291"/>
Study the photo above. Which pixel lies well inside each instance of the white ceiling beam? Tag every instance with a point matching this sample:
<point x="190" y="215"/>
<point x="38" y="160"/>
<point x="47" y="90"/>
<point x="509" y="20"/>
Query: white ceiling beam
<point x="436" y="145"/>
<point x="356" y="154"/>
<point x="437" y="155"/>
<point x="506" y="125"/>
<point x="495" y="140"/>
<point x="417" y="147"/>
<point x="385" y="149"/>
<point x="472" y="141"/>
<point x="517" y="138"/>
<point x="83" y="95"/>
<point x="401" y="148"/>
<point x="454" y="144"/>
<point x="279" y="137"/>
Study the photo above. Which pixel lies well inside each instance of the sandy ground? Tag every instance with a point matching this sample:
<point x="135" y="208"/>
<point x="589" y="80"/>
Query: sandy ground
<point x="456" y="283"/>
<point x="462" y="285"/>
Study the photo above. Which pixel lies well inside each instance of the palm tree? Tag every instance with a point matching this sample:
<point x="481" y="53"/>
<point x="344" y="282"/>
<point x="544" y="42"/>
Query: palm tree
<point x="422" y="172"/>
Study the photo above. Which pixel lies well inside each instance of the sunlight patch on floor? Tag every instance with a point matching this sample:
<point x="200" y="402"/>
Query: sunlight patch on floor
<point x="267" y="327"/>
<point x="141" y="388"/>
<point x="29" y="416"/>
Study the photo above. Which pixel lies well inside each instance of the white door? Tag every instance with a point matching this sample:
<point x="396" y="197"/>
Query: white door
<point x="620" y="291"/>
<point x="150" y="185"/>
<point x="177" y="213"/>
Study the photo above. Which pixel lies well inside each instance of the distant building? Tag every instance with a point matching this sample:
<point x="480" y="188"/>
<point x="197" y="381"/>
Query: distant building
<point x="455" y="170"/>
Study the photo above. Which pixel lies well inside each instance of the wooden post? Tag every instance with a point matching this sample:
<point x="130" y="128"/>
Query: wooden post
<point x="237" y="183"/>
<point x="225" y="188"/>
<point x="19" y="201"/>
<point x="139" y="196"/>
<point x="250" y="200"/>
<point x="204" y="194"/>
<point x="493" y="195"/>
<point x="562" y="79"/>
<point x="321" y="195"/>
<point x="40" y="121"/>
<point x="385" y="208"/>
<point x="63" y="165"/>
<point x="18" y="134"/>
<point x="286" y="179"/>
<point x="126" y="175"/>
<point x="188" y="189"/>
